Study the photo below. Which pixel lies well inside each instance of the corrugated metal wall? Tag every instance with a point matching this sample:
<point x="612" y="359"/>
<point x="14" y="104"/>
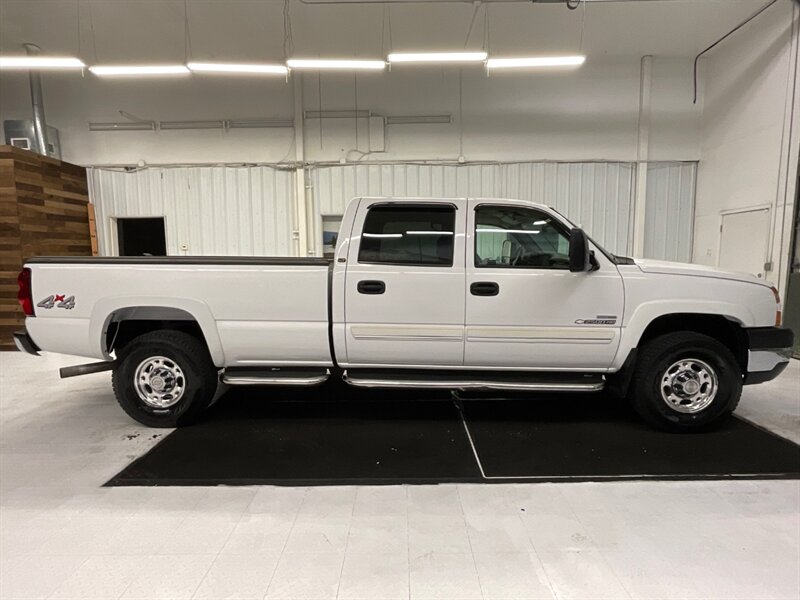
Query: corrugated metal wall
<point x="598" y="195"/>
<point x="669" y="212"/>
<point x="223" y="210"/>
<point x="230" y="210"/>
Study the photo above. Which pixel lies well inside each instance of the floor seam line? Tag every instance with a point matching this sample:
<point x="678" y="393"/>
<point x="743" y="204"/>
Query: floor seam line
<point x="460" y="409"/>
<point x="285" y="543"/>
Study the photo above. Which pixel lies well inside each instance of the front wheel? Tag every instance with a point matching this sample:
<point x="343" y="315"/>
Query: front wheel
<point x="685" y="381"/>
<point x="164" y="378"/>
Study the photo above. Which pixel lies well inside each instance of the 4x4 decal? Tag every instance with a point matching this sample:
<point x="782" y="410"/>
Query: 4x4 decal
<point x="58" y="301"/>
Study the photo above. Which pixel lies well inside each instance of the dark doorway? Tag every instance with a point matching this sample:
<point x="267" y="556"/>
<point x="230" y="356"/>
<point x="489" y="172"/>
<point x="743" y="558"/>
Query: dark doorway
<point x="142" y="237"/>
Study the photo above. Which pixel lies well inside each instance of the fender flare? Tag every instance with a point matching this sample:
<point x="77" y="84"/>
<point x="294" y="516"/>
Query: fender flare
<point x="647" y="312"/>
<point x="199" y="311"/>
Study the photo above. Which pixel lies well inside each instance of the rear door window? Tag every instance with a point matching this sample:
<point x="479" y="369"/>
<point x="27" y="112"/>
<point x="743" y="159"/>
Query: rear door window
<point x="420" y="235"/>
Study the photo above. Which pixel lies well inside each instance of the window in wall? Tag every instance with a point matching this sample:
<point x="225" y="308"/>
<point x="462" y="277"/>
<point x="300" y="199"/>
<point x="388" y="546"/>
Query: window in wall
<point x="507" y="236"/>
<point x="408" y="235"/>
<point x="330" y="234"/>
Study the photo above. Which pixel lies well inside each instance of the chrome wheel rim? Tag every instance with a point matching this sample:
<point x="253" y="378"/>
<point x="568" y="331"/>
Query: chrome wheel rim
<point x="689" y="385"/>
<point x="159" y="382"/>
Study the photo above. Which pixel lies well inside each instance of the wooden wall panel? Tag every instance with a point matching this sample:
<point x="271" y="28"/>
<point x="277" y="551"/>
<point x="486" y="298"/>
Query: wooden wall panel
<point x="43" y="212"/>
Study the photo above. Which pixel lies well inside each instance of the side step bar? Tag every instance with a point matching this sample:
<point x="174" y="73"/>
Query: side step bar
<point x="476" y="380"/>
<point x="274" y="376"/>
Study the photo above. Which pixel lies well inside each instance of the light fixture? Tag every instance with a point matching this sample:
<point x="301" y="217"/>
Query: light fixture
<point x="337" y="114"/>
<point x="320" y="64"/>
<point x="254" y="68"/>
<point x="535" y="61"/>
<point x="259" y="123"/>
<point x="192" y="125"/>
<point x="436" y="57"/>
<point x="418" y="119"/>
<point x="525" y="231"/>
<point x="40" y="62"/>
<point x="134" y="70"/>
<point x="123" y="126"/>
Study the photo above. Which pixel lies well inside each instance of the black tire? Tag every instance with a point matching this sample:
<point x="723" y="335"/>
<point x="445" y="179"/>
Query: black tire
<point x="658" y="355"/>
<point x="199" y="377"/>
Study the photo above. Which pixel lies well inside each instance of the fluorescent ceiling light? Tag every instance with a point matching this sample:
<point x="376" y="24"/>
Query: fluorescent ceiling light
<point x="321" y="64"/>
<point x="130" y="70"/>
<point x="259" y="123"/>
<point x="263" y="69"/>
<point x="337" y="114"/>
<point x="192" y="125"/>
<point x="436" y="57"/>
<point x="533" y="231"/>
<point x="123" y="126"/>
<point x="418" y="119"/>
<point x="535" y="61"/>
<point x="40" y="62"/>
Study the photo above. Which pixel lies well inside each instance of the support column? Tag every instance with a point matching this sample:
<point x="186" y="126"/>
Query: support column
<point x="300" y="207"/>
<point x="642" y="154"/>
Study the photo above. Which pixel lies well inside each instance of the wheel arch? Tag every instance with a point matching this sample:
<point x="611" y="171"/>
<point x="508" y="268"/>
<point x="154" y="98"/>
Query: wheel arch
<point x="726" y="329"/>
<point x="116" y="321"/>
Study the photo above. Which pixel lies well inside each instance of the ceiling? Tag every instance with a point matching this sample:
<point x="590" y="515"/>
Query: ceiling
<point x="150" y="31"/>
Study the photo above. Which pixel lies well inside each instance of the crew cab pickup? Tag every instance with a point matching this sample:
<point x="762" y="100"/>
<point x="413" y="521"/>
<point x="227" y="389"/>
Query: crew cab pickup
<point x="453" y="293"/>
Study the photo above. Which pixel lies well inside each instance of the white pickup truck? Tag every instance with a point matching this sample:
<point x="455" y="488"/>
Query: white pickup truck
<point x="454" y="293"/>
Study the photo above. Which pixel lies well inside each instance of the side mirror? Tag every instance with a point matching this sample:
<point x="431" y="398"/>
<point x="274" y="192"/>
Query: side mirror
<point x="580" y="259"/>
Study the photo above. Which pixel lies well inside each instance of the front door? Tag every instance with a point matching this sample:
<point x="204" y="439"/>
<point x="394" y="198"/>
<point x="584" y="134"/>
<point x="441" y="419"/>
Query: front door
<point x="525" y="309"/>
<point x="404" y="284"/>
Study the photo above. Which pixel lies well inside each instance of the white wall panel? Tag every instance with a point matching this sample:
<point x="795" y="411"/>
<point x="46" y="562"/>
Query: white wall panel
<point x="598" y="195"/>
<point x="247" y="211"/>
<point x="669" y="213"/>
<point x="221" y="210"/>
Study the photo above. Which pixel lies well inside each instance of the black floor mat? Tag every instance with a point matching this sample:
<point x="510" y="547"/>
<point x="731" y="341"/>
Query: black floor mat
<point x="249" y="438"/>
<point x="597" y="438"/>
<point x="335" y="435"/>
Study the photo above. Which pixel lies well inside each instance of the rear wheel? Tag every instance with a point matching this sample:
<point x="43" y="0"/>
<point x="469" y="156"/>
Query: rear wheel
<point x="164" y="378"/>
<point x="685" y="381"/>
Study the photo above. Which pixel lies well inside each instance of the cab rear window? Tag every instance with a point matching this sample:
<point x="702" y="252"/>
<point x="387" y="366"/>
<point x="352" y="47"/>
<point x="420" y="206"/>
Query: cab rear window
<point x="408" y="235"/>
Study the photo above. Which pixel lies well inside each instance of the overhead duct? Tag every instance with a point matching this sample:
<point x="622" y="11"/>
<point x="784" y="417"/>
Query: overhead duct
<point x="37" y="103"/>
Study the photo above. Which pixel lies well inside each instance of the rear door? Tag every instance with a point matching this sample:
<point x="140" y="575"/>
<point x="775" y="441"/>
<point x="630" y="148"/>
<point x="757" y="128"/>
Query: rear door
<point x="404" y="284"/>
<point x="525" y="309"/>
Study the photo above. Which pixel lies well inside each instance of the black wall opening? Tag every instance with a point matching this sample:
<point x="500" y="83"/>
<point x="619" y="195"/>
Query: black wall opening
<point x="142" y="237"/>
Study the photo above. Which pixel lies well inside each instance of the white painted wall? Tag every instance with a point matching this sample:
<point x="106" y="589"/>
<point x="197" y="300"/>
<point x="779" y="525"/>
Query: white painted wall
<point x="584" y="114"/>
<point x="748" y="154"/>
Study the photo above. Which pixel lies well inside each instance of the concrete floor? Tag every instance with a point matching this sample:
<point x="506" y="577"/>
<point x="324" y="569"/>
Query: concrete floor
<point x="63" y="536"/>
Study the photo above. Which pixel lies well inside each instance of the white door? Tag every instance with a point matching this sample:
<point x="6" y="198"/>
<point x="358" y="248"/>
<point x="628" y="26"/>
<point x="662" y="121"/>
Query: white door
<point x="744" y="236"/>
<point x="525" y="309"/>
<point x="404" y="284"/>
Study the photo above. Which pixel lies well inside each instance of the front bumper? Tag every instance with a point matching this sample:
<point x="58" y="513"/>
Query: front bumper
<point x="768" y="352"/>
<point x="24" y="343"/>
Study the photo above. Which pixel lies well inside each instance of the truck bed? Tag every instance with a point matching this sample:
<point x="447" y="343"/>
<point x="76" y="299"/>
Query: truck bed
<point x="253" y="311"/>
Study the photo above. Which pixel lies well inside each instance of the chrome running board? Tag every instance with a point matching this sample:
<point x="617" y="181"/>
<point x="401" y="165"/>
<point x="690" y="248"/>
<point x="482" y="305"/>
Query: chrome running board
<point x="269" y="376"/>
<point x="487" y="380"/>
